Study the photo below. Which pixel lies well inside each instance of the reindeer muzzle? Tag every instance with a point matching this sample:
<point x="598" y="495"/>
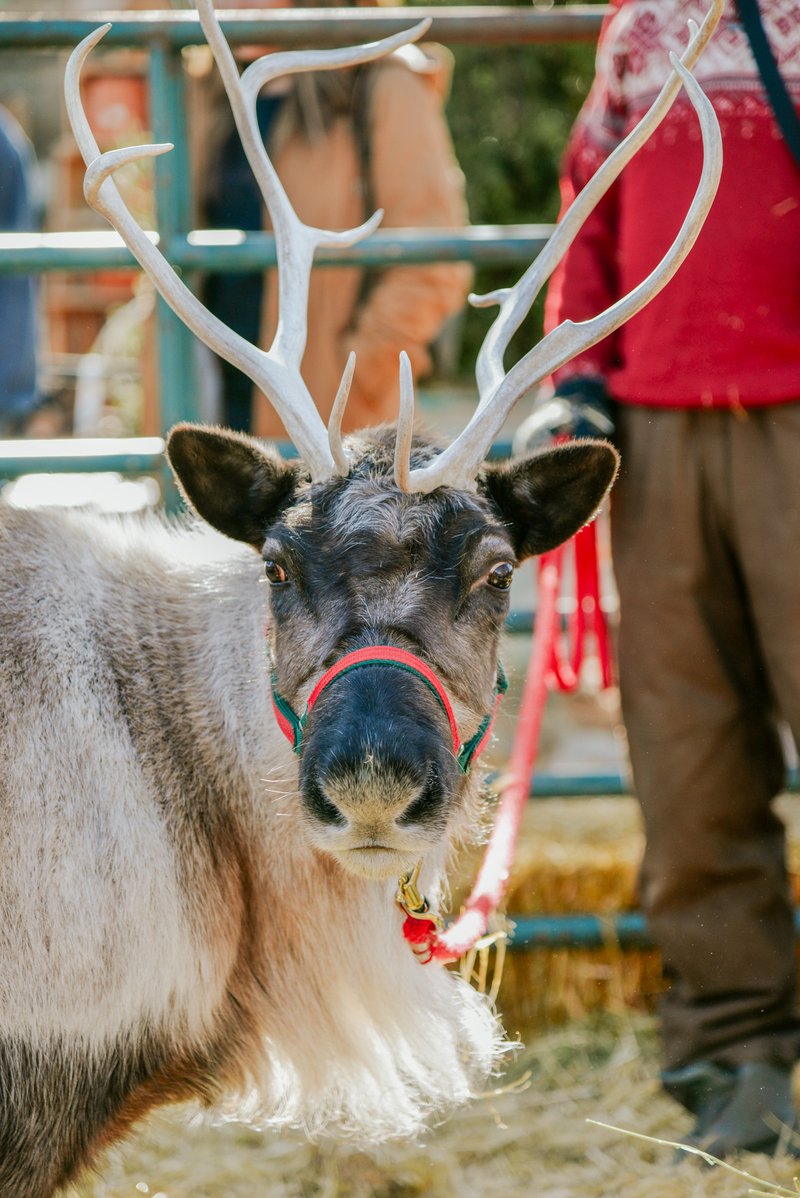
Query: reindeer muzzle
<point x="293" y="725"/>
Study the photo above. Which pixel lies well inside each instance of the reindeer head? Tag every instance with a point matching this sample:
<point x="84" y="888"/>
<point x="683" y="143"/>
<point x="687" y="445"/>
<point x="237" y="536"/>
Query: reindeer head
<point x="357" y="563"/>
<point x="388" y="558"/>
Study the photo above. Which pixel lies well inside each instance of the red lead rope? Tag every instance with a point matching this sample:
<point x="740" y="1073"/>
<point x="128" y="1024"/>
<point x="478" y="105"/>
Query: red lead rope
<point x="547" y="665"/>
<point x="586" y="617"/>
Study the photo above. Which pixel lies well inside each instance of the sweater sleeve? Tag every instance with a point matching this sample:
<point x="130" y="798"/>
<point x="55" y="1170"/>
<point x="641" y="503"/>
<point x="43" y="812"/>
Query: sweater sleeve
<point x="586" y="281"/>
<point x="418" y="183"/>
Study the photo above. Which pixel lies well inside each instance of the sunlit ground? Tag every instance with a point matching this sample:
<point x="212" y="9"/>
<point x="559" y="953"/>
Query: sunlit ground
<point x="531" y="1141"/>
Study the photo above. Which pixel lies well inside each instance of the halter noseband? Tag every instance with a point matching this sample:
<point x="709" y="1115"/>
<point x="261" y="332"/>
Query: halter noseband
<point x="292" y="726"/>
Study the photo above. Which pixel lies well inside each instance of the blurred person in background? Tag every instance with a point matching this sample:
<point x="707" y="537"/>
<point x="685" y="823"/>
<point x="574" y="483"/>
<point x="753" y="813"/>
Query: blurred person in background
<point x="23" y="410"/>
<point x="703" y="387"/>
<point x="344" y="143"/>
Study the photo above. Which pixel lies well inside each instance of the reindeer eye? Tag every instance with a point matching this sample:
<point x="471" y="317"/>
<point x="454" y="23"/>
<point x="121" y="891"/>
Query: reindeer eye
<point x="500" y="576"/>
<point x="275" y="573"/>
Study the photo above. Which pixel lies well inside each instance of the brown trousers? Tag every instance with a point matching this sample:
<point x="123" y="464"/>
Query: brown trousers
<point x="706" y="544"/>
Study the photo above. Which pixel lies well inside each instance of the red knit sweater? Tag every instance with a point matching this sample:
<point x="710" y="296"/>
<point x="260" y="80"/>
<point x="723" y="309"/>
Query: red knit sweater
<point x="726" y="330"/>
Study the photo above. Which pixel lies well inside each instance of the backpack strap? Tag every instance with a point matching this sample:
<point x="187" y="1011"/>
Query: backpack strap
<point x="777" y="92"/>
<point x="361" y="117"/>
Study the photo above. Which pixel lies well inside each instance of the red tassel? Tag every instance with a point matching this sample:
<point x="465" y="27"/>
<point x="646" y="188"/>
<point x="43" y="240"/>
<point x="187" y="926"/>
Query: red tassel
<point x="421" y="935"/>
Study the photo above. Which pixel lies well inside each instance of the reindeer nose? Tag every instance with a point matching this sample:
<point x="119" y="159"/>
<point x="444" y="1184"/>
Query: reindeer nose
<point x="377" y="756"/>
<point x="428" y="803"/>
<point x="383" y="792"/>
<point x="320" y="805"/>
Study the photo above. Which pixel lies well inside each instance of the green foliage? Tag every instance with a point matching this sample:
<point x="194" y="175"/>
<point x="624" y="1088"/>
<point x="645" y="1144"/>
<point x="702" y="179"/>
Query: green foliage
<point x="510" y="111"/>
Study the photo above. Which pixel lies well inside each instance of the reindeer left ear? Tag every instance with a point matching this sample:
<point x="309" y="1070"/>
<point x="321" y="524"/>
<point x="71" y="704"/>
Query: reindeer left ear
<point x="232" y="481"/>
<point x="546" y="498"/>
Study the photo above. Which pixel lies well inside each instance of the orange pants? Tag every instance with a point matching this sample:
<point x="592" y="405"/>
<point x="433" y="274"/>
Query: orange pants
<point x="706" y="544"/>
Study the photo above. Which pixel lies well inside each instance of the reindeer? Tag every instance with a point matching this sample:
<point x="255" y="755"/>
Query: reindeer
<point x="210" y="778"/>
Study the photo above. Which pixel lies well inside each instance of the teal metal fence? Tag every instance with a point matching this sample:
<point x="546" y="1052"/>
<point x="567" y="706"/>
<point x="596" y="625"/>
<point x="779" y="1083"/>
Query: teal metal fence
<point x="164" y="36"/>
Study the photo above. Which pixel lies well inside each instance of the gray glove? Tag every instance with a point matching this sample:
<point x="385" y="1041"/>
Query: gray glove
<point x="578" y="408"/>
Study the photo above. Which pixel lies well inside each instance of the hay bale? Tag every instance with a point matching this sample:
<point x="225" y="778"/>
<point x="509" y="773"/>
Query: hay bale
<point x="582" y="856"/>
<point x="576" y="856"/>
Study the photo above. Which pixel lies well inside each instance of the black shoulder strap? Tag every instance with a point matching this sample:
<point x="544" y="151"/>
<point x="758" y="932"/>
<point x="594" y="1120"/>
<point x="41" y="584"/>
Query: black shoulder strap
<point x="779" y="98"/>
<point x="362" y="131"/>
<point x="362" y="121"/>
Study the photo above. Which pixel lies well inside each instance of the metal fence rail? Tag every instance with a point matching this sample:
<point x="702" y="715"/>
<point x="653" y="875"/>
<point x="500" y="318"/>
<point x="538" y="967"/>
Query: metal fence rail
<point x="173" y="31"/>
<point x="214" y="249"/>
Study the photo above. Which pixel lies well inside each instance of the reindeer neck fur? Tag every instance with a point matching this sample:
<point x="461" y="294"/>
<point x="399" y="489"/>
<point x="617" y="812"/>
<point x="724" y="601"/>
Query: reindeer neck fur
<point x="181" y="894"/>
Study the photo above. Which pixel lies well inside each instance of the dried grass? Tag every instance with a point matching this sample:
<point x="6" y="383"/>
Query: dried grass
<point x="530" y="1140"/>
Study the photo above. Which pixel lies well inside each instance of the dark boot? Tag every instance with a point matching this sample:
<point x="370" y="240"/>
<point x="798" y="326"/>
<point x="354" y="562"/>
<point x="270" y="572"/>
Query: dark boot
<point x="754" y="1116"/>
<point x="703" y="1087"/>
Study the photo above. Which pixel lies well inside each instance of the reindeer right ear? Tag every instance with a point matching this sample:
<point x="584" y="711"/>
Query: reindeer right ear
<point x="232" y="481"/>
<point x="545" y="498"/>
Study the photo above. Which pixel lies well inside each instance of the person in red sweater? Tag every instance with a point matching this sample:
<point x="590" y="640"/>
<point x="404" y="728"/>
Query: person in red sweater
<point x="704" y="387"/>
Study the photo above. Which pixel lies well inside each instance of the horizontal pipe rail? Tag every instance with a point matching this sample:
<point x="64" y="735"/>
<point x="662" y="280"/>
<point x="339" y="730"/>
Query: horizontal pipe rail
<point x="234" y="250"/>
<point x="79" y="455"/>
<point x="607" y="785"/>
<point x="131" y="455"/>
<point x="579" y="786"/>
<point x="627" y="930"/>
<point x="321" y="27"/>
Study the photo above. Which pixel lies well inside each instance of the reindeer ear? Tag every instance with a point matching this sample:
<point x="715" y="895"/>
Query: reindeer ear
<point x="232" y="481"/>
<point x="546" y="498"/>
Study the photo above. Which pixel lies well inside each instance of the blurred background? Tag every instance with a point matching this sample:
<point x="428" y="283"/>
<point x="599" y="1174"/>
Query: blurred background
<point x="509" y="112"/>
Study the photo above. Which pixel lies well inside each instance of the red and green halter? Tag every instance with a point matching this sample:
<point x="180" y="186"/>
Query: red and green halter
<point x="293" y="726"/>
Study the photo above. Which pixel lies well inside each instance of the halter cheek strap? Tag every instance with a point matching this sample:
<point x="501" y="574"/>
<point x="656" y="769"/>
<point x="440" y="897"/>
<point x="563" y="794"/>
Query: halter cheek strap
<point x="293" y="726"/>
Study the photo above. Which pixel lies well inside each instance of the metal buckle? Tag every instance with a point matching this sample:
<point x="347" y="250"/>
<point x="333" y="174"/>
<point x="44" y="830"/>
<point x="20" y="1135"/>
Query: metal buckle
<point x="412" y="902"/>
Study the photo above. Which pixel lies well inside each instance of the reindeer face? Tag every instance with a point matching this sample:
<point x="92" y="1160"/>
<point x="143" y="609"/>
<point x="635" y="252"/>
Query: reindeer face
<point x="358" y="563"/>
<point x="355" y="562"/>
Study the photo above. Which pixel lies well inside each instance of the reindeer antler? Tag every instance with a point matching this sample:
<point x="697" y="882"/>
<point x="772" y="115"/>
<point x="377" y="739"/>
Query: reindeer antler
<point x="275" y="371"/>
<point x="458" y="465"/>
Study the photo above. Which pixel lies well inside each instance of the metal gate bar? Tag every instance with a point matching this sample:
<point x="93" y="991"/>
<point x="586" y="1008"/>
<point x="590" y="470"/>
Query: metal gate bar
<point x="452" y="25"/>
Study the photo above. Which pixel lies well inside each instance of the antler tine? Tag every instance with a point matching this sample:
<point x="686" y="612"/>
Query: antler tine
<point x="284" y="387"/>
<point x="561" y="346"/>
<point x="337" y="412"/>
<point x="458" y="464"/>
<point x="405" y="425"/>
<point x="244" y="91"/>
